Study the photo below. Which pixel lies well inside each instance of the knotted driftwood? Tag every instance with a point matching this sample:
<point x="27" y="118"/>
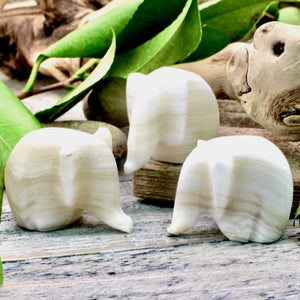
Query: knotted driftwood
<point x="263" y="76"/>
<point x="28" y="27"/>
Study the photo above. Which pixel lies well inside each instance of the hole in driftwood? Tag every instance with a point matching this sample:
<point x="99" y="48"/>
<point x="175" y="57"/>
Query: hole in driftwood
<point x="278" y="48"/>
<point x="289" y="113"/>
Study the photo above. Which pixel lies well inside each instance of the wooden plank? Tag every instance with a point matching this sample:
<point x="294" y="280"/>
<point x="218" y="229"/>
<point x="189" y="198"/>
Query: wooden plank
<point x="90" y="235"/>
<point x="214" y="270"/>
<point x="92" y="261"/>
<point x="158" y="180"/>
<point x="232" y="114"/>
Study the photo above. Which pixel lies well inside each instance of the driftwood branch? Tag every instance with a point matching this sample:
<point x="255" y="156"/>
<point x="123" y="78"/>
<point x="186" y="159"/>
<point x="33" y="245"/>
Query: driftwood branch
<point x="232" y="114"/>
<point x="26" y="28"/>
<point x="58" y="85"/>
<point x="253" y="73"/>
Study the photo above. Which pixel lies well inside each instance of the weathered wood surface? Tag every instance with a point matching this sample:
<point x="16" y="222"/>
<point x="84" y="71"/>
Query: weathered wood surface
<point x="158" y="180"/>
<point x="92" y="261"/>
<point x="232" y="114"/>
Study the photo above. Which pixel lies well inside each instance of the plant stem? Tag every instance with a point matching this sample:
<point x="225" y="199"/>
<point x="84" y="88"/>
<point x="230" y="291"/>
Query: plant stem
<point x="76" y="77"/>
<point x="268" y="15"/>
<point x="22" y="95"/>
<point x="29" y="85"/>
<point x="80" y="73"/>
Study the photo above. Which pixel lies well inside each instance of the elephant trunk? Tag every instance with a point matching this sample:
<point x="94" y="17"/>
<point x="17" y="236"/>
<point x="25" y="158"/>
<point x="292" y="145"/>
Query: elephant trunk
<point x="194" y="192"/>
<point x="144" y="112"/>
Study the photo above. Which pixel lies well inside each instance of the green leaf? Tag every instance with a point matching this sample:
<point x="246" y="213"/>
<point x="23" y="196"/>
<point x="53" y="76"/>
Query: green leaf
<point x="273" y="9"/>
<point x="289" y="15"/>
<point x="227" y="21"/>
<point x="176" y="42"/>
<point x="134" y="22"/>
<point x="151" y="17"/>
<point x="1" y="181"/>
<point x="94" y="38"/>
<point x="90" y="40"/>
<point x="73" y="97"/>
<point x="297" y="215"/>
<point x="15" y="121"/>
<point x="173" y="44"/>
<point x="1" y="198"/>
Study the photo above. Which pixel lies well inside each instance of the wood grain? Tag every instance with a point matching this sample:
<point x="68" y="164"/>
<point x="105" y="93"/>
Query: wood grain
<point x="232" y="114"/>
<point x="91" y="261"/>
<point x="213" y="270"/>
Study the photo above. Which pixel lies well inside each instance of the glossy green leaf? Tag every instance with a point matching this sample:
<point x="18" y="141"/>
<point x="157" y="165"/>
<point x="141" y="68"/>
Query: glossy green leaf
<point x="1" y="198"/>
<point x="133" y="21"/>
<point x="73" y="97"/>
<point x="227" y="21"/>
<point x="173" y="44"/>
<point x="273" y="9"/>
<point x="1" y="180"/>
<point x="289" y="15"/>
<point x="151" y="17"/>
<point x="15" y="121"/>
<point x="91" y="40"/>
<point x="94" y="38"/>
<point x="297" y="215"/>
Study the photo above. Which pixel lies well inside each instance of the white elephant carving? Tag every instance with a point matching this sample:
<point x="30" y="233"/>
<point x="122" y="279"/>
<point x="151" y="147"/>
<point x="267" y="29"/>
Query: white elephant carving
<point x="54" y="174"/>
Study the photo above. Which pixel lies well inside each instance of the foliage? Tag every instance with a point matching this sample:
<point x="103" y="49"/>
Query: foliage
<point x="297" y="215"/>
<point x="75" y="95"/>
<point x="148" y="38"/>
<point x="1" y="183"/>
<point x="15" y="121"/>
<point x="1" y="198"/>
<point x="131" y="20"/>
<point x="238" y="17"/>
<point x="290" y="15"/>
<point x="173" y="44"/>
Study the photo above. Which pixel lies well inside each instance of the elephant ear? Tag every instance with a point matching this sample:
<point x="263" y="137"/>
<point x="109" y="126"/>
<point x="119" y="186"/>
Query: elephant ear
<point x="237" y="69"/>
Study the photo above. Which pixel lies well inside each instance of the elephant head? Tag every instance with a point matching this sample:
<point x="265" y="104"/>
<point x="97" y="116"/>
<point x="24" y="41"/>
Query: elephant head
<point x="265" y="77"/>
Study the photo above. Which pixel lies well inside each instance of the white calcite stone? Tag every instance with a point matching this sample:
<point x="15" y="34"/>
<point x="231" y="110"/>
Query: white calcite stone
<point x="246" y="183"/>
<point x="54" y="174"/>
<point x="168" y="110"/>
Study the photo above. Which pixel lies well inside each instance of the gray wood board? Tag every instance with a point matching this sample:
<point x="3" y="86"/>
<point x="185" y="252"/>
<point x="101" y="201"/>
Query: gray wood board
<point x="89" y="260"/>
